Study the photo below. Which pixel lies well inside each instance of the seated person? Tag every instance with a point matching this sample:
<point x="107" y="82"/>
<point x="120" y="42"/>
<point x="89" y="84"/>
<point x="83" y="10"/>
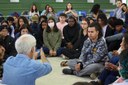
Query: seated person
<point x="69" y="11"/>
<point x="123" y="69"/>
<point x="75" y="52"/>
<point x="2" y="50"/>
<point x="62" y="23"/>
<point x="71" y="33"/>
<point x="92" y="55"/>
<point x="123" y="63"/>
<point x="110" y="73"/>
<point x="8" y="41"/>
<point x="52" y="38"/>
<point x="118" y="30"/>
<point x="23" y="69"/>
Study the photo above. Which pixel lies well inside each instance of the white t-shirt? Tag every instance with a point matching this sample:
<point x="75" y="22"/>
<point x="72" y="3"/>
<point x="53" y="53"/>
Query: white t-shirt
<point x="122" y="83"/>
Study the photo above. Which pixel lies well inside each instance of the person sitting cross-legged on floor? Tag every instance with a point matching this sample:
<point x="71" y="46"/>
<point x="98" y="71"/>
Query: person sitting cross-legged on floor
<point x="76" y="50"/>
<point x="110" y="73"/>
<point x="92" y="55"/>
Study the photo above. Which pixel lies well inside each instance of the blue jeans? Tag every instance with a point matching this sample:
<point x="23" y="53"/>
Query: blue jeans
<point x="107" y="76"/>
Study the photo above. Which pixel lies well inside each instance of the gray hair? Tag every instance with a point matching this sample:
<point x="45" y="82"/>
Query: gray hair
<point x="25" y="43"/>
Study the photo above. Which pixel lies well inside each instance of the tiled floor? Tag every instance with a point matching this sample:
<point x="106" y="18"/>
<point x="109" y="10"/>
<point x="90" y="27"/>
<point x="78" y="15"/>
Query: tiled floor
<point x="56" y="77"/>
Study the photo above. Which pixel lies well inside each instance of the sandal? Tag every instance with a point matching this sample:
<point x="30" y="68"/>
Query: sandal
<point x="63" y="63"/>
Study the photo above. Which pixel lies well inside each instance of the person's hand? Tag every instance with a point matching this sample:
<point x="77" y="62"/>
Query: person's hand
<point x="42" y="55"/>
<point x="51" y="52"/>
<point x="122" y="7"/>
<point x="77" y="67"/>
<point x="69" y="45"/>
<point x="42" y="52"/>
<point x="107" y="65"/>
<point x="69" y="11"/>
<point x="111" y="66"/>
<point x="54" y="53"/>
<point x="115" y="53"/>
<point x="35" y="55"/>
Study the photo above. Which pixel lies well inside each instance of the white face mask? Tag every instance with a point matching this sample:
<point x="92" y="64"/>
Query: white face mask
<point x="51" y="25"/>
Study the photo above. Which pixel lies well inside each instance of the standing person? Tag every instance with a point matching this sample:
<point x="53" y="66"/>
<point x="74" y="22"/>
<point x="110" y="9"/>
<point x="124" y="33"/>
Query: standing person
<point x="23" y="69"/>
<point x="69" y="11"/>
<point x="33" y="11"/>
<point x="52" y="38"/>
<point x="92" y="55"/>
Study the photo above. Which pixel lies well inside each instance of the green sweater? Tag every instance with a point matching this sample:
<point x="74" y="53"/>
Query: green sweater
<point x="52" y="40"/>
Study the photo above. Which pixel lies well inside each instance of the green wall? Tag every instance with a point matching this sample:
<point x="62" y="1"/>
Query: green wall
<point x="6" y="7"/>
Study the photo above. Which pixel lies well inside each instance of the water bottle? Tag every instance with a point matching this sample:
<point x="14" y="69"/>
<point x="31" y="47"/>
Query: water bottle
<point x="79" y="13"/>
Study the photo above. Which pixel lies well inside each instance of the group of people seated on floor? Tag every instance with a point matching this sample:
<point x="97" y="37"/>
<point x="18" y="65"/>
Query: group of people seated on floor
<point x="93" y="46"/>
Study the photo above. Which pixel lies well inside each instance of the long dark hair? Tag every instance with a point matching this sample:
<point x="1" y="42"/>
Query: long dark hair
<point x="126" y="40"/>
<point x="124" y="63"/>
<point x="24" y="26"/>
<point x="95" y="9"/>
<point x="46" y="6"/>
<point x="32" y="8"/>
<point x="24" y="20"/>
<point x="47" y="10"/>
<point x="55" y="29"/>
<point x="103" y="17"/>
<point x="44" y="21"/>
<point x="67" y="7"/>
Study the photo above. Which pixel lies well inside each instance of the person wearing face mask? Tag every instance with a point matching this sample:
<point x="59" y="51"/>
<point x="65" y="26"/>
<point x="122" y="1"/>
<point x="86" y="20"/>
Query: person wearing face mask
<point x="52" y="38"/>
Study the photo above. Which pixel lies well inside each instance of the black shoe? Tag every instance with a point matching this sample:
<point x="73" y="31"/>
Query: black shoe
<point x="95" y="83"/>
<point x="82" y="83"/>
<point x="93" y="76"/>
<point x="67" y="71"/>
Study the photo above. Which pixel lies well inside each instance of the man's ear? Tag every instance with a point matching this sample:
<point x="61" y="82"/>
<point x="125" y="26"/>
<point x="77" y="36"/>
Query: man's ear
<point x="33" y="49"/>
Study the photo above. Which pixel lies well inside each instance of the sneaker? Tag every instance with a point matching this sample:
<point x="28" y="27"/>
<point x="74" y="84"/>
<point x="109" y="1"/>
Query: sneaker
<point x="93" y="76"/>
<point x="64" y="57"/>
<point x="67" y="71"/>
